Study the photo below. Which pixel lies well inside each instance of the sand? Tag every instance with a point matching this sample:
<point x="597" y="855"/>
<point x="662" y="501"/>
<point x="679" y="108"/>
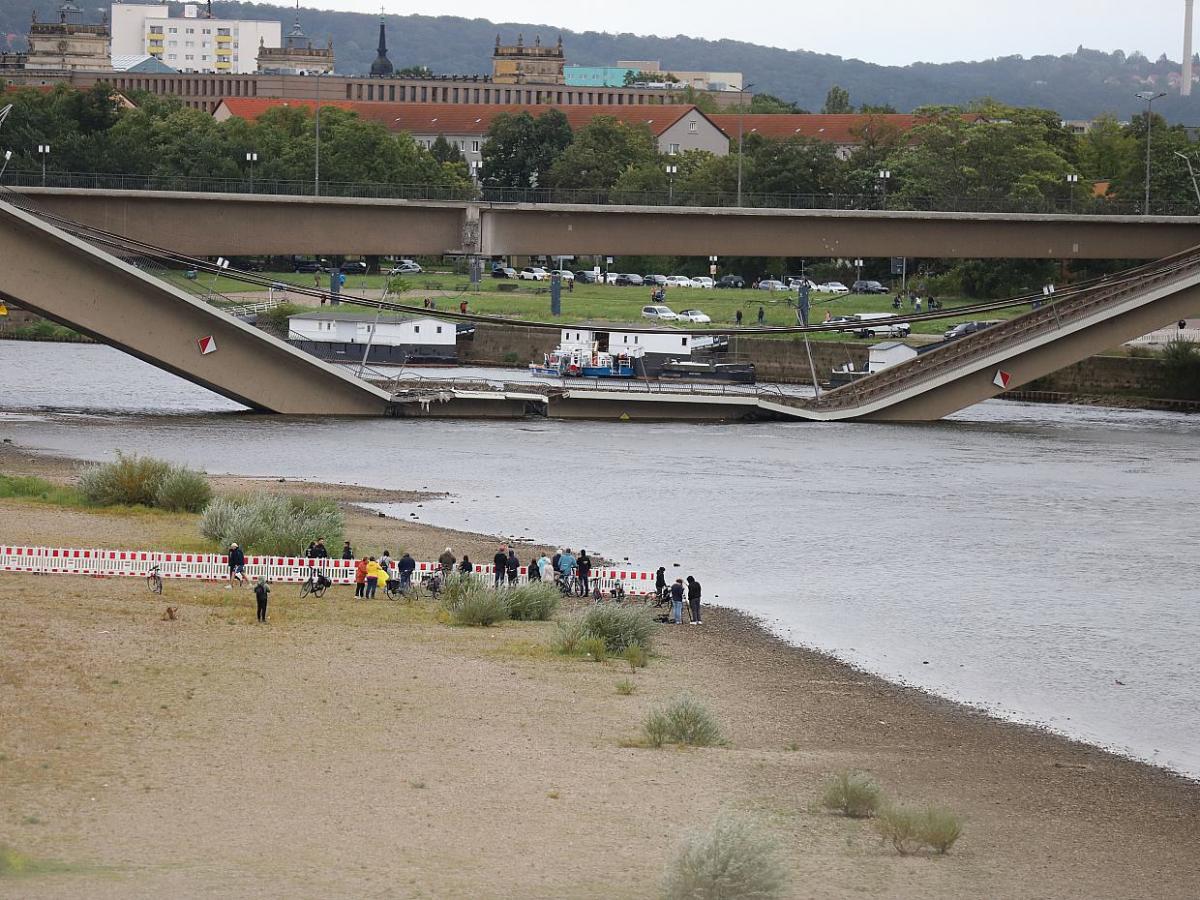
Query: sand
<point x="353" y="749"/>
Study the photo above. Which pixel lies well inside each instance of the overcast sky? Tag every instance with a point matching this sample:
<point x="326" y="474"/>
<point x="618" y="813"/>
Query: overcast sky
<point x="884" y="31"/>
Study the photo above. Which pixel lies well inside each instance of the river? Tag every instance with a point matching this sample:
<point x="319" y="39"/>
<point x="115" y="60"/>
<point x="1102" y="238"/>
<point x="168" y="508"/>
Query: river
<point x="1032" y="560"/>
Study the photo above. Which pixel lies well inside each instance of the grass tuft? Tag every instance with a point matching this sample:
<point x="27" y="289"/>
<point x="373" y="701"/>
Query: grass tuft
<point x="619" y="626"/>
<point x="901" y="828"/>
<point x="29" y="487"/>
<point x="130" y="480"/>
<point x="470" y="603"/>
<point x="940" y="829"/>
<point x="625" y="687"/>
<point x="269" y="524"/>
<point x="733" y="859"/>
<point x="533" y="602"/>
<point x="183" y="490"/>
<point x="594" y="648"/>
<point x="636" y="656"/>
<point x="852" y="794"/>
<point x="685" y="721"/>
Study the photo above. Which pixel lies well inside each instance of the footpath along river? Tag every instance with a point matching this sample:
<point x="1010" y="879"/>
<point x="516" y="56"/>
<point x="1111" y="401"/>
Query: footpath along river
<point x="1036" y="561"/>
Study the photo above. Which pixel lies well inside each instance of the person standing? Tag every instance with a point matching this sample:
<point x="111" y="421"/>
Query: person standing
<point x="500" y="564"/>
<point x="319" y="550"/>
<point x="535" y="570"/>
<point x="237" y="566"/>
<point x="693" y="596"/>
<point x="360" y="578"/>
<point x="762" y="314"/>
<point x="512" y="566"/>
<point x="583" y="563"/>
<point x="566" y="563"/>
<point x="385" y="562"/>
<point x="677" y="602"/>
<point x="447" y="561"/>
<point x="660" y="583"/>
<point x="347" y="550"/>
<point x="406" y="567"/>
<point x="375" y="576"/>
<point x="465" y="566"/>
<point x="738" y="318"/>
<point x="545" y="568"/>
<point x="261" y="590"/>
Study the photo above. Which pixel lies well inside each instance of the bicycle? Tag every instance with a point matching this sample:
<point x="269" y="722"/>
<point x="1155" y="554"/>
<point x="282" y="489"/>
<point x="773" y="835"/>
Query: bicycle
<point x="316" y="584"/>
<point x="571" y="585"/>
<point x="154" y="580"/>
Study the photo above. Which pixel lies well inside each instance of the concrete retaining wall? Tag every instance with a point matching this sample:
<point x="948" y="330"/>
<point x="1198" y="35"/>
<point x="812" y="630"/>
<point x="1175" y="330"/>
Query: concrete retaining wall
<point x="1099" y="375"/>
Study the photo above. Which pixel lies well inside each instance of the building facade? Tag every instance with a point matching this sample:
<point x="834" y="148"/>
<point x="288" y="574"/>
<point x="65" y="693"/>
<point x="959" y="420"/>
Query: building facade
<point x="193" y="42"/>
<point x="519" y="64"/>
<point x="296" y="56"/>
<point x="344" y="335"/>
<point x="69" y="45"/>
<point x="701" y="81"/>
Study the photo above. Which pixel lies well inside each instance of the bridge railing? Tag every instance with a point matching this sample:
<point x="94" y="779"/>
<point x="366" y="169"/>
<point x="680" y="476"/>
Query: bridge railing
<point x="588" y="197"/>
<point x="1048" y="317"/>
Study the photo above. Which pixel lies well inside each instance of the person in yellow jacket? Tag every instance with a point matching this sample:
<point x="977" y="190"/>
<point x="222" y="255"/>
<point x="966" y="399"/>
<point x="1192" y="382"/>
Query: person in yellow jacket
<point x="376" y="576"/>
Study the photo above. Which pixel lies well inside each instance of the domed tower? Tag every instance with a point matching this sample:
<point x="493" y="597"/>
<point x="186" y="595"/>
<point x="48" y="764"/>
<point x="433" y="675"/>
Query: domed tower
<point x="382" y="65"/>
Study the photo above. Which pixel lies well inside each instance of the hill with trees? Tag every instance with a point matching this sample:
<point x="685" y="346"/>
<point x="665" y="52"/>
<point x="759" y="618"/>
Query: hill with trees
<point x="1080" y="85"/>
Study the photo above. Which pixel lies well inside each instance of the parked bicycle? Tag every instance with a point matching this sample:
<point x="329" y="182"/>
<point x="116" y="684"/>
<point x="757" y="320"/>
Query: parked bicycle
<point x="154" y="580"/>
<point x="571" y="585"/>
<point x="316" y="584"/>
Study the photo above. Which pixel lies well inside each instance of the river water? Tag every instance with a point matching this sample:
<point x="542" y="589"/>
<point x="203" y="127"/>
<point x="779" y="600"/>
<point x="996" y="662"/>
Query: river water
<point x="1035" y="561"/>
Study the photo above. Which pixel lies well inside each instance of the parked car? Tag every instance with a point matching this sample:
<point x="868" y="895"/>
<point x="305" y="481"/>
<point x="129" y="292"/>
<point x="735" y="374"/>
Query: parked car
<point x="563" y="274"/>
<point x="679" y="281"/>
<point x="504" y="272"/>
<point x="794" y="282"/>
<point x="694" y="315"/>
<point x="891" y="329"/>
<point x="534" y="273"/>
<point x="832" y="287"/>
<point x="868" y="287"/>
<point x="731" y="281"/>
<point x="405" y="267"/>
<point x="659" y="312"/>
<point x="770" y="284"/>
<point x="308" y="267"/>
<point x="629" y="279"/>
<point x="702" y="281"/>
<point x="965" y="328"/>
<point x="587" y="276"/>
<point x="654" y="279"/>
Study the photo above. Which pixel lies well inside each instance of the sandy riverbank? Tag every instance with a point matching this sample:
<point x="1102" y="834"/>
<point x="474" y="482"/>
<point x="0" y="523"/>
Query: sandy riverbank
<point x="367" y="750"/>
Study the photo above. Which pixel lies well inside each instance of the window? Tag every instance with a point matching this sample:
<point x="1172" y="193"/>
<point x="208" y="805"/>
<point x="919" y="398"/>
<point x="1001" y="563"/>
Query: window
<point x="685" y="342"/>
<point x="475" y="146"/>
<point x="672" y="149"/>
<point x="157" y="29"/>
<point x="439" y="331"/>
<point x="417" y="329"/>
<point x="692" y="126"/>
<point x="172" y="31"/>
<point x="191" y="31"/>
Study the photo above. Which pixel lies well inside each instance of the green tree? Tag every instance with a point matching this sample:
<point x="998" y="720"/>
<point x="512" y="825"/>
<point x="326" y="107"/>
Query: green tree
<point x="769" y="104"/>
<point x="837" y="102"/>
<point x="1170" y="184"/>
<point x="414" y="72"/>
<point x="1107" y="151"/>
<point x="601" y="152"/>
<point x="520" y="150"/>
<point x="443" y="151"/>
<point x="797" y="165"/>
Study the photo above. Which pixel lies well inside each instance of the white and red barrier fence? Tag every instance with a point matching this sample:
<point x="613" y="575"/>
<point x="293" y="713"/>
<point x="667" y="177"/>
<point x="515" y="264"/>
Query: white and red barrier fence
<point x="215" y="567"/>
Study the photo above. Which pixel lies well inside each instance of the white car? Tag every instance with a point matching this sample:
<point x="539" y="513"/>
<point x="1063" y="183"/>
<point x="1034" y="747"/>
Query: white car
<point x="772" y="285"/>
<point x="694" y="315"/>
<point x="832" y="287"/>
<point x="405" y="267"/>
<point x="870" y="329"/>
<point x="611" y="277"/>
<point x="702" y="281"/>
<point x="659" y="312"/>
<point x="563" y="274"/>
<point x="679" y="281"/>
<point x="534" y="273"/>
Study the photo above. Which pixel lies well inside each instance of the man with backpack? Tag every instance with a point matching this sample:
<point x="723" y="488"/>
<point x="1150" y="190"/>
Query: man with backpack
<point x="583" y="563"/>
<point x="693" y="596"/>
<point x="500" y="564"/>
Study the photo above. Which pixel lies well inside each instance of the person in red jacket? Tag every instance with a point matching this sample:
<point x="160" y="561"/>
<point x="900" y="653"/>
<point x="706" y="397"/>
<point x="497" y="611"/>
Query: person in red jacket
<point x="360" y="577"/>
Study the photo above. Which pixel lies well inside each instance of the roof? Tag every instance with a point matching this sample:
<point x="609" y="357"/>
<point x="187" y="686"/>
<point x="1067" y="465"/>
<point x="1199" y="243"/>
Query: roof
<point x="840" y="129"/>
<point x="140" y="62"/>
<point x="890" y="345"/>
<point x="359" y="315"/>
<point x="467" y="118"/>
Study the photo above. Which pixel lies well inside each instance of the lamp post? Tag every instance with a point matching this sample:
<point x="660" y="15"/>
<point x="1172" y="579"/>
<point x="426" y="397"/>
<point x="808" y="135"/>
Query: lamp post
<point x="317" y="158"/>
<point x="1187" y="159"/>
<point x="884" y="175"/>
<point x="741" y="130"/>
<point x="1149" y="97"/>
<point x="44" y="149"/>
<point x="671" y="170"/>
<point x="251" y="158"/>
<point x="858" y="264"/>
<point x="1072" y="181"/>
<point x="7" y="157"/>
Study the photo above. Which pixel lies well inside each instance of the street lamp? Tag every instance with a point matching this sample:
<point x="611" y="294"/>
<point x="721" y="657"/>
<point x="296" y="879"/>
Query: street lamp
<point x="251" y="158"/>
<point x="44" y="149"/>
<point x="317" y="159"/>
<point x="741" y="129"/>
<point x="671" y="170"/>
<point x="1072" y="181"/>
<point x="7" y="157"/>
<point x="1149" y="97"/>
<point x="884" y="175"/>
<point x="1187" y="159"/>
<point x="858" y="264"/>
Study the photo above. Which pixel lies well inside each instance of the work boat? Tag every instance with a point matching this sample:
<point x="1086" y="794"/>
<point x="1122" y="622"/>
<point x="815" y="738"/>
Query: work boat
<point x="576" y="363"/>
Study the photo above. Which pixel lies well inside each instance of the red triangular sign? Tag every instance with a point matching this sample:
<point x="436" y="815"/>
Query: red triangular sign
<point x="207" y="344"/>
<point x="1002" y="379"/>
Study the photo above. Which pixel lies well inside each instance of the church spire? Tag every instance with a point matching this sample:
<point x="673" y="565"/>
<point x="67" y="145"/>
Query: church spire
<point x="382" y="65"/>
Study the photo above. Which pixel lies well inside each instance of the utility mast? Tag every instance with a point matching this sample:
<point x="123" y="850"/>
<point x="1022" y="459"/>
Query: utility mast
<point x="1185" y="84"/>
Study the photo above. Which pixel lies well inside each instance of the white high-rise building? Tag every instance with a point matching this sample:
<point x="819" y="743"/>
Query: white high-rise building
<point x="193" y="43"/>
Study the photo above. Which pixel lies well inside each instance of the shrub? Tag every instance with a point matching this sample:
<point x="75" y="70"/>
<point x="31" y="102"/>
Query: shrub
<point x="853" y="795"/>
<point x="130" y="480"/>
<point x="636" y="656"/>
<point x="902" y="828"/>
<point x="684" y="720"/>
<point x="271" y="524"/>
<point x="594" y="647"/>
<point x="533" y="602"/>
<point x="568" y="637"/>
<point x="33" y="488"/>
<point x="183" y="490"/>
<point x="940" y="829"/>
<point x="474" y="604"/>
<point x="625" y="687"/>
<point x="731" y="860"/>
<point x="620" y="626"/>
<point x="1181" y="369"/>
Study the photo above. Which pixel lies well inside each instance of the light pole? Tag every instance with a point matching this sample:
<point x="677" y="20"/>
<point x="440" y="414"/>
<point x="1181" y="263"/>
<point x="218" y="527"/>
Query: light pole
<point x="1072" y="181"/>
<point x="317" y="160"/>
<point x="858" y="264"/>
<point x="884" y="175"/>
<point x="1149" y="97"/>
<point x="741" y="130"/>
<point x="671" y="170"/>
<point x="251" y="158"/>
<point x="44" y="149"/>
<point x="7" y="157"/>
<point x="1187" y="159"/>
